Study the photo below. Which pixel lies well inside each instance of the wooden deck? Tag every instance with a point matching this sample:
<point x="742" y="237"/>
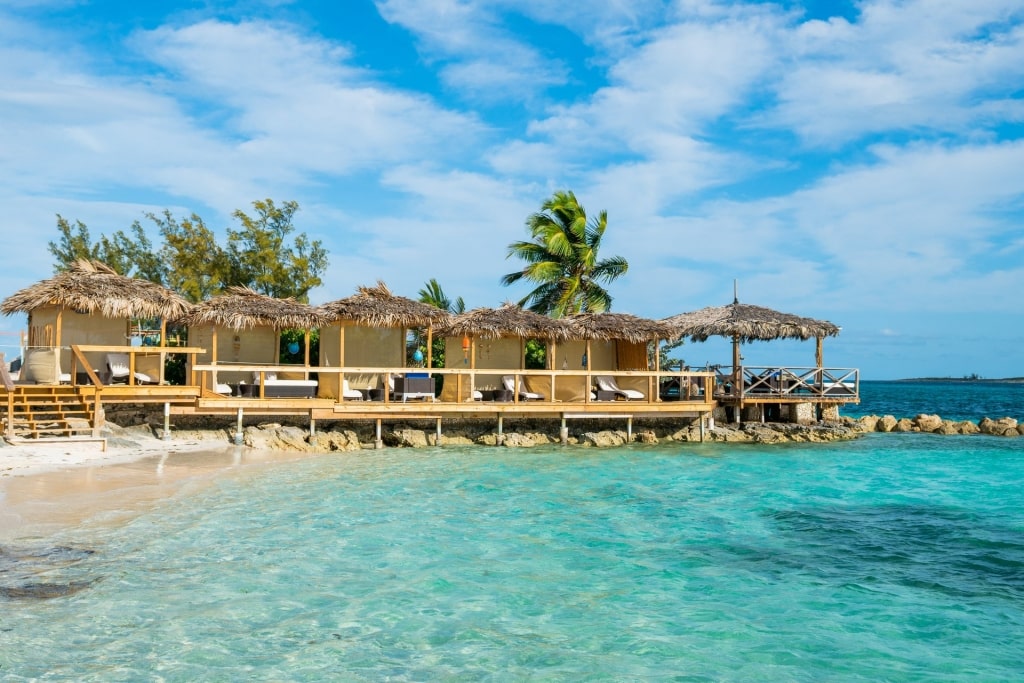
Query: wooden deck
<point x="666" y="394"/>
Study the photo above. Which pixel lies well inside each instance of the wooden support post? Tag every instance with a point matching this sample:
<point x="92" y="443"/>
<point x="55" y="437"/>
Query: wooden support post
<point x="501" y="429"/>
<point x="167" y="421"/>
<point x="312" y="425"/>
<point x="10" y="415"/>
<point x="238" y="428"/>
<point x="701" y="423"/>
<point x="379" y="442"/>
<point x="563" y="432"/>
<point x="437" y="433"/>
<point x="629" y="429"/>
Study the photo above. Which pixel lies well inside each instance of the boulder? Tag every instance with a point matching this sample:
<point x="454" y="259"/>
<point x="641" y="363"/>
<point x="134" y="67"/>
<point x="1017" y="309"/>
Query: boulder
<point x="868" y="423"/>
<point x="604" y="439"/>
<point x="406" y="438"/>
<point x="517" y="440"/>
<point x="967" y="427"/>
<point x="905" y="424"/>
<point x="928" y="423"/>
<point x="646" y="436"/>
<point x="1004" y="426"/>
<point x="947" y="427"/>
<point x="886" y="423"/>
<point x="342" y="440"/>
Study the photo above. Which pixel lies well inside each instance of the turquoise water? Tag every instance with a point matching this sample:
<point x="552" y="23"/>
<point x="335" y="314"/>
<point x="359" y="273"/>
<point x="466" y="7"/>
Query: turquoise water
<point x="893" y="557"/>
<point x="951" y="400"/>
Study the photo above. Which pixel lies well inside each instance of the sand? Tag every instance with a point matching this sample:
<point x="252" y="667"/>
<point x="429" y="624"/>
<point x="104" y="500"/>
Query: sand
<point x="46" y="489"/>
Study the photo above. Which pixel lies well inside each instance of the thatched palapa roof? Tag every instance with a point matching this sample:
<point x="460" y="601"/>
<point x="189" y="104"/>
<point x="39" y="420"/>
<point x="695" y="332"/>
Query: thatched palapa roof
<point x="749" y="323"/>
<point x="508" y="321"/>
<point x="94" y="288"/>
<point x="378" y="307"/>
<point x="242" y="308"/>
<point x="620" y="326"/>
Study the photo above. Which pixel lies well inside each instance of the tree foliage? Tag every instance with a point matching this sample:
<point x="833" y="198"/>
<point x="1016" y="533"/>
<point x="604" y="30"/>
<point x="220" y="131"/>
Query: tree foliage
<point x="261" y="253"/>
<point x="562" y="259"/>
<point x="433" y="294"/>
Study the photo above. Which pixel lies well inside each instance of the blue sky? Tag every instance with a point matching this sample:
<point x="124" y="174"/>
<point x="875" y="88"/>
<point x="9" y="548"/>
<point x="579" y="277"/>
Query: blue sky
<point x="861" y="162"/>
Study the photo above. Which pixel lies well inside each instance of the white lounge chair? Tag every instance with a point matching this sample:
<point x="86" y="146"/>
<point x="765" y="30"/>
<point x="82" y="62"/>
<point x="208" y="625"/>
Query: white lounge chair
<point x="509" y="382"/>
<point x="607" y="383"/>
<point x="350" y="394"/>
<point x="119" y="366"/>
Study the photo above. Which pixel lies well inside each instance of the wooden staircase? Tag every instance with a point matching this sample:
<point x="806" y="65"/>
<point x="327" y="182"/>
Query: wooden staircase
<point x="45" y="412"/>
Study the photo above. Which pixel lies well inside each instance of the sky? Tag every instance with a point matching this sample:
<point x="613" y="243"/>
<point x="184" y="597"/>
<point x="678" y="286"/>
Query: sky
<point x="859" y="162"/>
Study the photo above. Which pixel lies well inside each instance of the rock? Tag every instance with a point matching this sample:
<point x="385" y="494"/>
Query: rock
<point x="1004" y="426"/>
<point x="967" y="427"/>
<point x="928" y="423"/>
<point x="410" y="438"/>
<point x="516" y="440"/>
<point x="904" y="425"/>
<point x="604" y="439"/>
<point x="646" y="436"/>
<point x="343" y="440"/>
<point x="886" y="424"/>
<point x="947" y="427"/>
<point x="868" y="423"/>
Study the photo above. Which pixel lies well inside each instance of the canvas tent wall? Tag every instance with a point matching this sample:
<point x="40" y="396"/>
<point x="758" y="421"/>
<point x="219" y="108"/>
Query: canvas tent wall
<point x="253" y="346"/>
<point x="347" y="345"/>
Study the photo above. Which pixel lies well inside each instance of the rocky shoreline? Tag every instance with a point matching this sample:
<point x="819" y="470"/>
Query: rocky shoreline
<point x="528" y="433"/>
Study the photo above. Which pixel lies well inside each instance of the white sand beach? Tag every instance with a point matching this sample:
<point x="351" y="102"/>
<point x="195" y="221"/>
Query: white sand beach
<point x="47" y="487"/>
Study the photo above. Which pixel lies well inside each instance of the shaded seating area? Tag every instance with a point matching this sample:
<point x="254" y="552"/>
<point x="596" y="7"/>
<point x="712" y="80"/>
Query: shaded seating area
<point x="119" y="367"/>
<point x="285" y="388"/>
<point x="608" y="385"/>
<point x="509" y="384"/>
<point x="415" y="386"/>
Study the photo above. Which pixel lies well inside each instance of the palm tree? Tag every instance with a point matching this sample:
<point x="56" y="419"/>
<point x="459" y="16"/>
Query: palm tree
<point x="433" y="294"/>
<point x="562" y="260"/>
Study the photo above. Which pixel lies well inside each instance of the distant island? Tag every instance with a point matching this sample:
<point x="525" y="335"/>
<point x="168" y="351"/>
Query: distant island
<point x="970" y="379"/>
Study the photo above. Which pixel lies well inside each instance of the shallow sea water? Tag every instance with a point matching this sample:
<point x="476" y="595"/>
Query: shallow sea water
<point x="893" y="557"/>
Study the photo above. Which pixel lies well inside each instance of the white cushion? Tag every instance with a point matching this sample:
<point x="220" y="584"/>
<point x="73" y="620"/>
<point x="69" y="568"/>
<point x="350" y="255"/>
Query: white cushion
<point x="269" y="375"/>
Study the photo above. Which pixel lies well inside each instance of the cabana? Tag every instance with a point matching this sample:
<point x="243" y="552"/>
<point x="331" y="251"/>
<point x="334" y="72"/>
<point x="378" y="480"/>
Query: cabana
<point x="610" y="342"/>
<point x="243" y="328"/>
<point x="91" y="305"/>
<point x="746" y="323"/>
<point x="495" y="339"/>
<point x="368" y="332"/>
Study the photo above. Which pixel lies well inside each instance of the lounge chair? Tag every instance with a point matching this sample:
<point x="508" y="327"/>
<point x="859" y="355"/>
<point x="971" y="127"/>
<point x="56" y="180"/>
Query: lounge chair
<point x="119" y="366"/>
<point x="607" y="383"/>
<point x="350" y="394"/>
<point x="284" y="388"/>
<point x="509" y="382"/>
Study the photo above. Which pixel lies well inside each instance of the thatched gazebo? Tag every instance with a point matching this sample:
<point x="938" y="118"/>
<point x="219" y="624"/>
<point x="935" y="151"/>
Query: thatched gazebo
<point x="244" y="326"/>
<point x="745" y="323"/>
<point x="369" y="329"/>
<point x="90" y="304"/>
<point x="495" y="338"/>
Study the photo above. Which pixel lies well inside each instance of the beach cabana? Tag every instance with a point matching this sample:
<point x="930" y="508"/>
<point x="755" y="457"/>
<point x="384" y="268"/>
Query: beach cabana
<point x="610" y="342"/>
<point x="243" y="327"/>
<point x="91" y="305"/>
<point x="495" y="339"/>
<point x="744" y="323"/>
<point x="370" y="330"/>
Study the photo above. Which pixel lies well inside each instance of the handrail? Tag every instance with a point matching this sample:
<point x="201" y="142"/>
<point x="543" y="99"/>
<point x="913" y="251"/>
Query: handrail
<point x="701" y="379"/>
<point x="790" y="382"/>
<point x="79" y="357"/>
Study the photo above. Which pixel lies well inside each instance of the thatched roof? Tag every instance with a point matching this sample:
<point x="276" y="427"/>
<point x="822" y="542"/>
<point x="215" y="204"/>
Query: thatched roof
<point x="508" y="321"/>
<point x="242" y="308"/>
<point x="94" y="288"/>
<point x="623" y="326"/>
<point x="749" y="323"/>
<point x="378" y="307"/>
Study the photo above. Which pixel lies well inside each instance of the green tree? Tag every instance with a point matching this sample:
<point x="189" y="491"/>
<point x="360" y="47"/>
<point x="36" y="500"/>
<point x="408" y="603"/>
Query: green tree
<point x="562" y="259"/>
<point x="74" y="244"/>
<point x="197" y="267"/>
<point x="259" y="257"/>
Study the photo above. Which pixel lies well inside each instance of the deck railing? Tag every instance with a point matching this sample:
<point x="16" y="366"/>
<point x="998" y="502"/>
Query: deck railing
<point x="665" y="385"/>
<point x="788" y="383"/>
